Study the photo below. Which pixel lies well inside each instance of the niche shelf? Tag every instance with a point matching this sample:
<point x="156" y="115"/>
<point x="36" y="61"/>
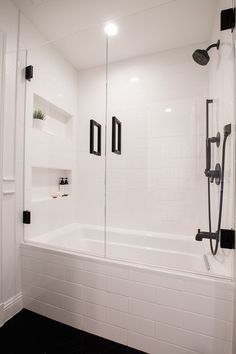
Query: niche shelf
<point x="52" y="144"/>
<point x="45" y="182"/>
<point x="57" y="123"/>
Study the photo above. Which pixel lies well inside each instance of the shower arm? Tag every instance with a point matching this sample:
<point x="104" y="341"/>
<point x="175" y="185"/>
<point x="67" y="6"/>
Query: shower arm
<point x="215" y="45"/>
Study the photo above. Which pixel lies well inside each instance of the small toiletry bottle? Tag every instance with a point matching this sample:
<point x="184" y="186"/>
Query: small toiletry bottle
<point x="66" y="187"/>
<point x="62" y="187"/>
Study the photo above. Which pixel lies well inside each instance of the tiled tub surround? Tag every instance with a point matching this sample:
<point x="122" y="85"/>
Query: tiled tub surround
<point x="156" y="311"/>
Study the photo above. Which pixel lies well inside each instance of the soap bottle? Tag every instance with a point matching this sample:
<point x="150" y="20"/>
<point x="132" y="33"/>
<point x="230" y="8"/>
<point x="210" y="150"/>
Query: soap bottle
<point x="62" y="187"/>
<point x="66" y="187"/>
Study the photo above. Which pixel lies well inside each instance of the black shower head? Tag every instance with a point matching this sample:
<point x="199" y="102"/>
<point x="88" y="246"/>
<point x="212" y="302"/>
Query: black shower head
<point x="201" y="56"/>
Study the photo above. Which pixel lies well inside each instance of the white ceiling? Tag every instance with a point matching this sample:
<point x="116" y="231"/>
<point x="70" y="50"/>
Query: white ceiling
<point x="145" y="26"/>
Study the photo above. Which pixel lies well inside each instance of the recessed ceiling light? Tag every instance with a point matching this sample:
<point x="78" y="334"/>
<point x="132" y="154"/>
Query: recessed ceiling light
<point x="111" y="29"/>
<point x="168" y="110"/>
<point x="134" y="79"/>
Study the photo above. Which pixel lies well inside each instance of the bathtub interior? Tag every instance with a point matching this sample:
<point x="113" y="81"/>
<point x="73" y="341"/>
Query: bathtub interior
<point x="139" y="247"/>
<point x="145" y="204"/>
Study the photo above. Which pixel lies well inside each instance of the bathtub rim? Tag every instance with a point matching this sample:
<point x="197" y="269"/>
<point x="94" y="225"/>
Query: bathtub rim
<point x="127" y="265"/>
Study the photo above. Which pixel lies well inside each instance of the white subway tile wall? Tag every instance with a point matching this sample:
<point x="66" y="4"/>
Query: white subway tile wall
<point x="154" y="311"/>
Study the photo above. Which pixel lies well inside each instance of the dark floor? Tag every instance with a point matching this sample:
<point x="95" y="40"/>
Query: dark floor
<point x="29" y="333"/>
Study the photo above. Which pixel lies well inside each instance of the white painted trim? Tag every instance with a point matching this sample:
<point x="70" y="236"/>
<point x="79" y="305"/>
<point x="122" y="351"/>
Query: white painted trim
<point x="6" y="179"/>
<point x="8" y="192"/>
<point x="2" y="92"/>
<point x="11" y="307"/>
<point x="1" y="314"/>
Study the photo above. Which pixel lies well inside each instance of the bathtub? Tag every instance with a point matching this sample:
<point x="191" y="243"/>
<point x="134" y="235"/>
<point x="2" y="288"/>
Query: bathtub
<point x="153" y="249"/>
<point x="157" y="293"/>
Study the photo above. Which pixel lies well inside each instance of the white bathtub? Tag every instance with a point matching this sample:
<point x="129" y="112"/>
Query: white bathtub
<point x="164" y="308"/>
<point x="175" y="252"/>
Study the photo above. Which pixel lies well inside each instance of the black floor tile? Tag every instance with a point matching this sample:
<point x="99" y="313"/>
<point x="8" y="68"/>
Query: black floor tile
<point x="29" y="333"/>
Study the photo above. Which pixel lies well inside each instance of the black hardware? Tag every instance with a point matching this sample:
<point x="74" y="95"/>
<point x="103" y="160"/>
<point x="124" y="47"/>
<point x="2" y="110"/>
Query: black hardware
<point x="214" y="175"/>
<point x="227" y="129"/>
<point x="209" y="141"/>
<point x="116" y="136"/>
<point x="26" y="217"/>
<point x="208" y="162"/>
<point x="211" y="174"/>
<point x="204" y="234"/>
<point x="227" y="239"/>
<point x="201" y="56"/>
<point x="96" y="150"/>
<point x="227" y="19"/>
<point x="29" y="72"/>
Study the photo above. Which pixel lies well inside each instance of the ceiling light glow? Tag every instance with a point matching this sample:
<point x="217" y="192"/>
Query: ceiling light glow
<point x="168" y="110"/>
<point x="111" y="29"/>
<point x="134" y="79"/>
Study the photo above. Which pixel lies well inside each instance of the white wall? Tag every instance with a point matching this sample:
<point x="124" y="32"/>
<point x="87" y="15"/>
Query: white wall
<point x="51" y="151"/>
<point x="154" y="184"/>
<point x="56" y="80"/>
<point x="10" y="292"/>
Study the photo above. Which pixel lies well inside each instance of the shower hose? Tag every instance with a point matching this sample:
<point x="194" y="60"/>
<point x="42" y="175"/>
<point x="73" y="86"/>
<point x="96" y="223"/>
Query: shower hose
<point x="214" y="249"/>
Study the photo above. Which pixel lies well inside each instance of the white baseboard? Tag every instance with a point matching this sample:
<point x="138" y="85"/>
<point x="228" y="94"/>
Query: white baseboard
<point x="10" y="308"/>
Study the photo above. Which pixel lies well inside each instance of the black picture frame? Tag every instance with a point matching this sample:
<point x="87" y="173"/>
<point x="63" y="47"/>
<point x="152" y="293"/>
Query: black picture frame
<point x="116" y="136"/>
<point x="95" y="150"/>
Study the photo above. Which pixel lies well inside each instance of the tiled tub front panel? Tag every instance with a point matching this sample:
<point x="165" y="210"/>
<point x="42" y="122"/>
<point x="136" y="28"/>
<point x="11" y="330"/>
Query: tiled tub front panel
<point x="154" y="311"/>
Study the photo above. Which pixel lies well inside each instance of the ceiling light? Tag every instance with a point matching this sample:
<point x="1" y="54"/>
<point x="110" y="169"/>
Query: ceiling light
<point x="168" y="110"/>
<point x="111" y="29"/>
<point x="134" y="79"/>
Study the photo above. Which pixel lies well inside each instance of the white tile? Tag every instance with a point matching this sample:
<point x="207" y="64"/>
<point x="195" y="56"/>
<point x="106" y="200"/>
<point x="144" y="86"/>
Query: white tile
<point x="34" y="305"/>
<point x="51" y="298"/>
<point x="96" y="312"/>
<point x="31" y="264"/>
<point x="133" y="323"/>
<point x="208" y="306"/>
<point x="53" y="270"/>
<point x="214" y="288"/>
<point x="207" y="325"/>
<point x="105" y="330"/>
<point x="156" y="312"/>
<point x="65" y="317"/>
<point x="169" y="297"/>
<point x="32" y="291"/>
<point x="114" y="285"/>
<point x="104" y="298"/>
<point x="73" y="305"/>
<point x="73" y="290"/>
<point x="29" y="277"/>
<point x="191" y="340"/>
<point x="146" y="344"/>
<point x="158" y="279"/>
<point x="154" y="346"/>
<point x="141" y="291"/>
<point x="106" y="269"/>
<point x="64" y="287"/>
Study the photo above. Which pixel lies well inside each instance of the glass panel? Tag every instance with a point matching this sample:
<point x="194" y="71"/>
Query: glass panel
<point x="65" y="182"/>
<point x="156" y="196"/>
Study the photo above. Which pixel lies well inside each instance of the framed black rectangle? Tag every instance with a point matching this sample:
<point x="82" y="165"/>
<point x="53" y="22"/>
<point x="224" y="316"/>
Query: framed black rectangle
<point x="116" y="136"/>
<point x="95" y="150"/>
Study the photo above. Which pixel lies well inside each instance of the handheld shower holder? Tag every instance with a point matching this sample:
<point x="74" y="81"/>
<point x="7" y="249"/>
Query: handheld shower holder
<point x="214" y="175"/>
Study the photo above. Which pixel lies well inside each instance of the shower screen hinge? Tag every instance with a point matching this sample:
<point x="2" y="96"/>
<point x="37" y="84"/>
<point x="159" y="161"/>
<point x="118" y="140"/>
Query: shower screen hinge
<point x="227" y="19"/>
<point x="29" y="72"/>
<point x="26" y="217"/>
<point x="227" y="238"/>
